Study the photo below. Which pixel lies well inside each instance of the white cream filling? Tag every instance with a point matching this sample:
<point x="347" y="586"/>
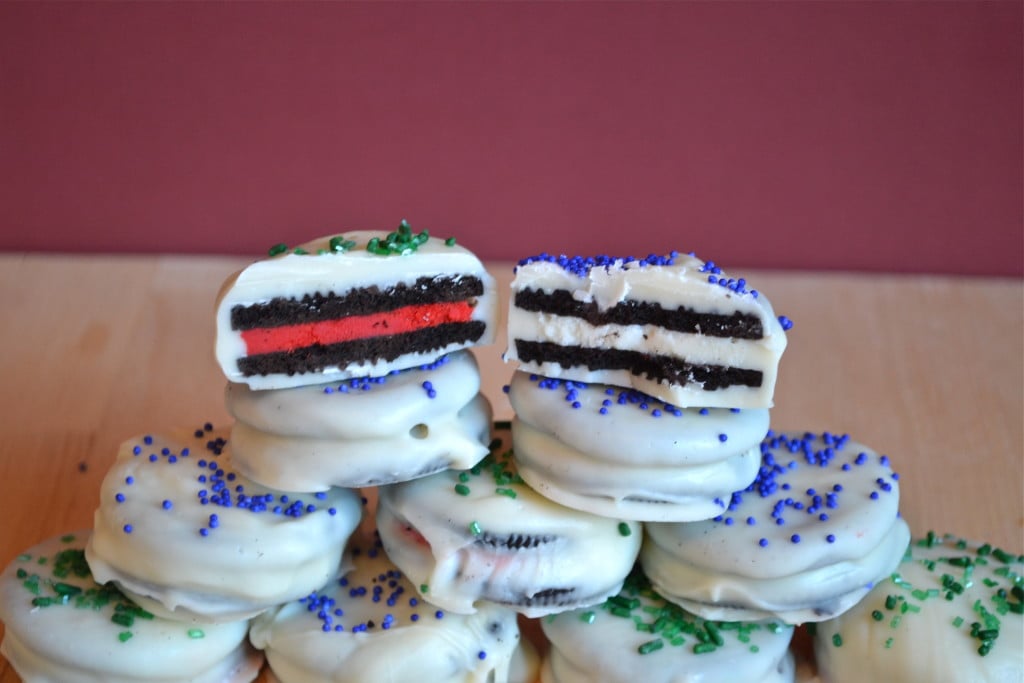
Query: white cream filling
<point x="840" y="528"/>
<point x="930" y="640"/>
<point x="66" y="643"/>
<point x="247" y="559"/>
<point x="293" y="276"/>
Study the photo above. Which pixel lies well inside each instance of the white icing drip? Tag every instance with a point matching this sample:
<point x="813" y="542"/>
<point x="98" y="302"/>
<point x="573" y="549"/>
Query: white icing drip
<point x="713" y="566"/>
<point x="580" y="551"/>
<point x="73" y="644"/>
<point x="251" y="561"/>
<point x="293" y="276"/>
<point x="429" y="649"/>
<point x="925" y="645"/>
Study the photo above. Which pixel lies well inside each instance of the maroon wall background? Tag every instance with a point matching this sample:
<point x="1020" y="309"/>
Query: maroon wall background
<point x="861" y="135"/>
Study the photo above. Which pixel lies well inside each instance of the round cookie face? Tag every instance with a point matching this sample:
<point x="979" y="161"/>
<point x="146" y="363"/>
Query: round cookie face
<point x="950" y="606"/>
<point x="467" y="538"/>
<point x="183" y="533"/>
<point x="370" y="625"/>
<point x="639" y="636"/>
<point x="619" y="453"/>
<point x="804" y="542"/>
<point x="362" y="432"/>
<point x="61" y="625"/>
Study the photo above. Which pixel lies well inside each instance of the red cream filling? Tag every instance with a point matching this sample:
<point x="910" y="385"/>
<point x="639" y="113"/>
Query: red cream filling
<point x="407" y="319"/>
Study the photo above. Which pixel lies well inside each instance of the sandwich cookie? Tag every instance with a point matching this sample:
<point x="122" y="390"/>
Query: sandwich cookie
<point x="370" y="625"/>
<point x="639" y="636"/>
<point x="362" y="432"/>
<point x="952" y="608"/>
<point x="803" y="543"/>
<point x="61" y="625"/>
<point x="619" y="453"/>
<point x="353" y="305"/>
<point x="186" y="536"/>
<point x="670" y="326"/>
<point x="483" y="536"/>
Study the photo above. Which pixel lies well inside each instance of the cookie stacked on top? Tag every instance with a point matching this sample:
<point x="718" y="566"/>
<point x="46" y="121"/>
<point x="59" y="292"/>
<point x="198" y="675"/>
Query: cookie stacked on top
<point x="643" y="392"/>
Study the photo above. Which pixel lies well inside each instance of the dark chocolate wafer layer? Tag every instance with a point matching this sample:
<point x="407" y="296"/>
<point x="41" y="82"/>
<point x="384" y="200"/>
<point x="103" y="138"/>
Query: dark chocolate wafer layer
<point x="657" y="368"/>
<point x="318" y="307"/>
<point x="629" y="312"/>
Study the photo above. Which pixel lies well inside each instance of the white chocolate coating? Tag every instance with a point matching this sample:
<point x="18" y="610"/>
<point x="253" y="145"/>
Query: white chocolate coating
<point x="605" y="644"/>
<point x="639" y="459"/>
<point x="294" y="275"/>
<point x="685" y="283"/>
<point x="211" y="562"/>
<point x="907" y="631"/>
<point x="484" y="545"/>
<point x="841" y="532"/>
<point x="362" y="432"/>
<point x="77" y="641"/>
<point x="397" y="638"/>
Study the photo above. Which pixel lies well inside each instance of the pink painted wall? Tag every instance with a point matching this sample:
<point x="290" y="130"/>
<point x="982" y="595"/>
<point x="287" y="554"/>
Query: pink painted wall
<point x="860" y="135"/>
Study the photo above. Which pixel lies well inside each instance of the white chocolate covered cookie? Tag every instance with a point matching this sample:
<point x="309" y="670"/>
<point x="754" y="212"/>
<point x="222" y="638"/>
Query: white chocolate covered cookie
<point x="370" y="625"/>
<point x="803" y="543"/>
<point x="353" y="305"/>
<point x="478" y="536"/>
<point x="952" y="610"/>
<point x="182" y="533"/>
<point x="362" y="432"/>
<point x="669" y="326"/>
<point x="639" y="636"/>
<point x="619" y="453"/>
<point x="62" y="626"/>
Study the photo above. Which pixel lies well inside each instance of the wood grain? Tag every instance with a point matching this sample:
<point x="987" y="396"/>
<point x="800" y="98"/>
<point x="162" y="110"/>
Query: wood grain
<point x="929" y="370"/>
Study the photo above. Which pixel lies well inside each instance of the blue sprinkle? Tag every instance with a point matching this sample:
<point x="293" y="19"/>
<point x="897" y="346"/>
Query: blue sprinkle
<point x="148" y="440"/>
<point x="119" y="497"/>
<point x="129" y="480"/>
<point x="763" y="543"/>
<point x="167" y="505"/>
<point x="723" y="437"/>
<point x="439" y="614"/>
<point x="128" y="528"/>
<point x="831" y="538"/>
<point x="137" y="450"/>
<point x="751" y="521"/>
<point x="795" y="538"/>
<point x="481" y="655"/>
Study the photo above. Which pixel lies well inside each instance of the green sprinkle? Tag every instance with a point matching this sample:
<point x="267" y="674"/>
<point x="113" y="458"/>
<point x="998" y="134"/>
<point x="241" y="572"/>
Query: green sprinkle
<point x="24" y="557"/>
<point x="624" y="529"/>
<point x="123" y="619"/>
<point x="21" y="573"/>
<point x="124" y="636"/>
<point x="277" y="249"/>
<point x="890" y="602"/>
<point x="755" y="649"/>
<point x="651" y="646"/>
<point x="196" y="633"/>
<point x="1002" y="555"/>
<point x="474" y="528"/>
<point x="958" y="622"/>
<point x="702" y="648"/>
<point x="895" y="621"/>
<point x="42" y="601"/>
<point x="67" y="538"/>
<point x="462" y="489"/>
<point x="463" y="477"/>
<point x="506" y="492"/>
<point x="877" y="615"/>
<point x="450" y="242"/>
<point x="888" y="643"/>
<point x="424" y="588"/>
<point x="837" y="640"/>
<point x="588" y="617"/>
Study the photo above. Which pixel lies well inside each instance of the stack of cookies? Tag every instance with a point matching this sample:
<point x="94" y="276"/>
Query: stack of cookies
<point x="643" y="393"/>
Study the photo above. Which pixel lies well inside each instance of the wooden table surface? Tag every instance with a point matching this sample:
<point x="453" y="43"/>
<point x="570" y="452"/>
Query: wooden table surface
<point x="929" y="370"/>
